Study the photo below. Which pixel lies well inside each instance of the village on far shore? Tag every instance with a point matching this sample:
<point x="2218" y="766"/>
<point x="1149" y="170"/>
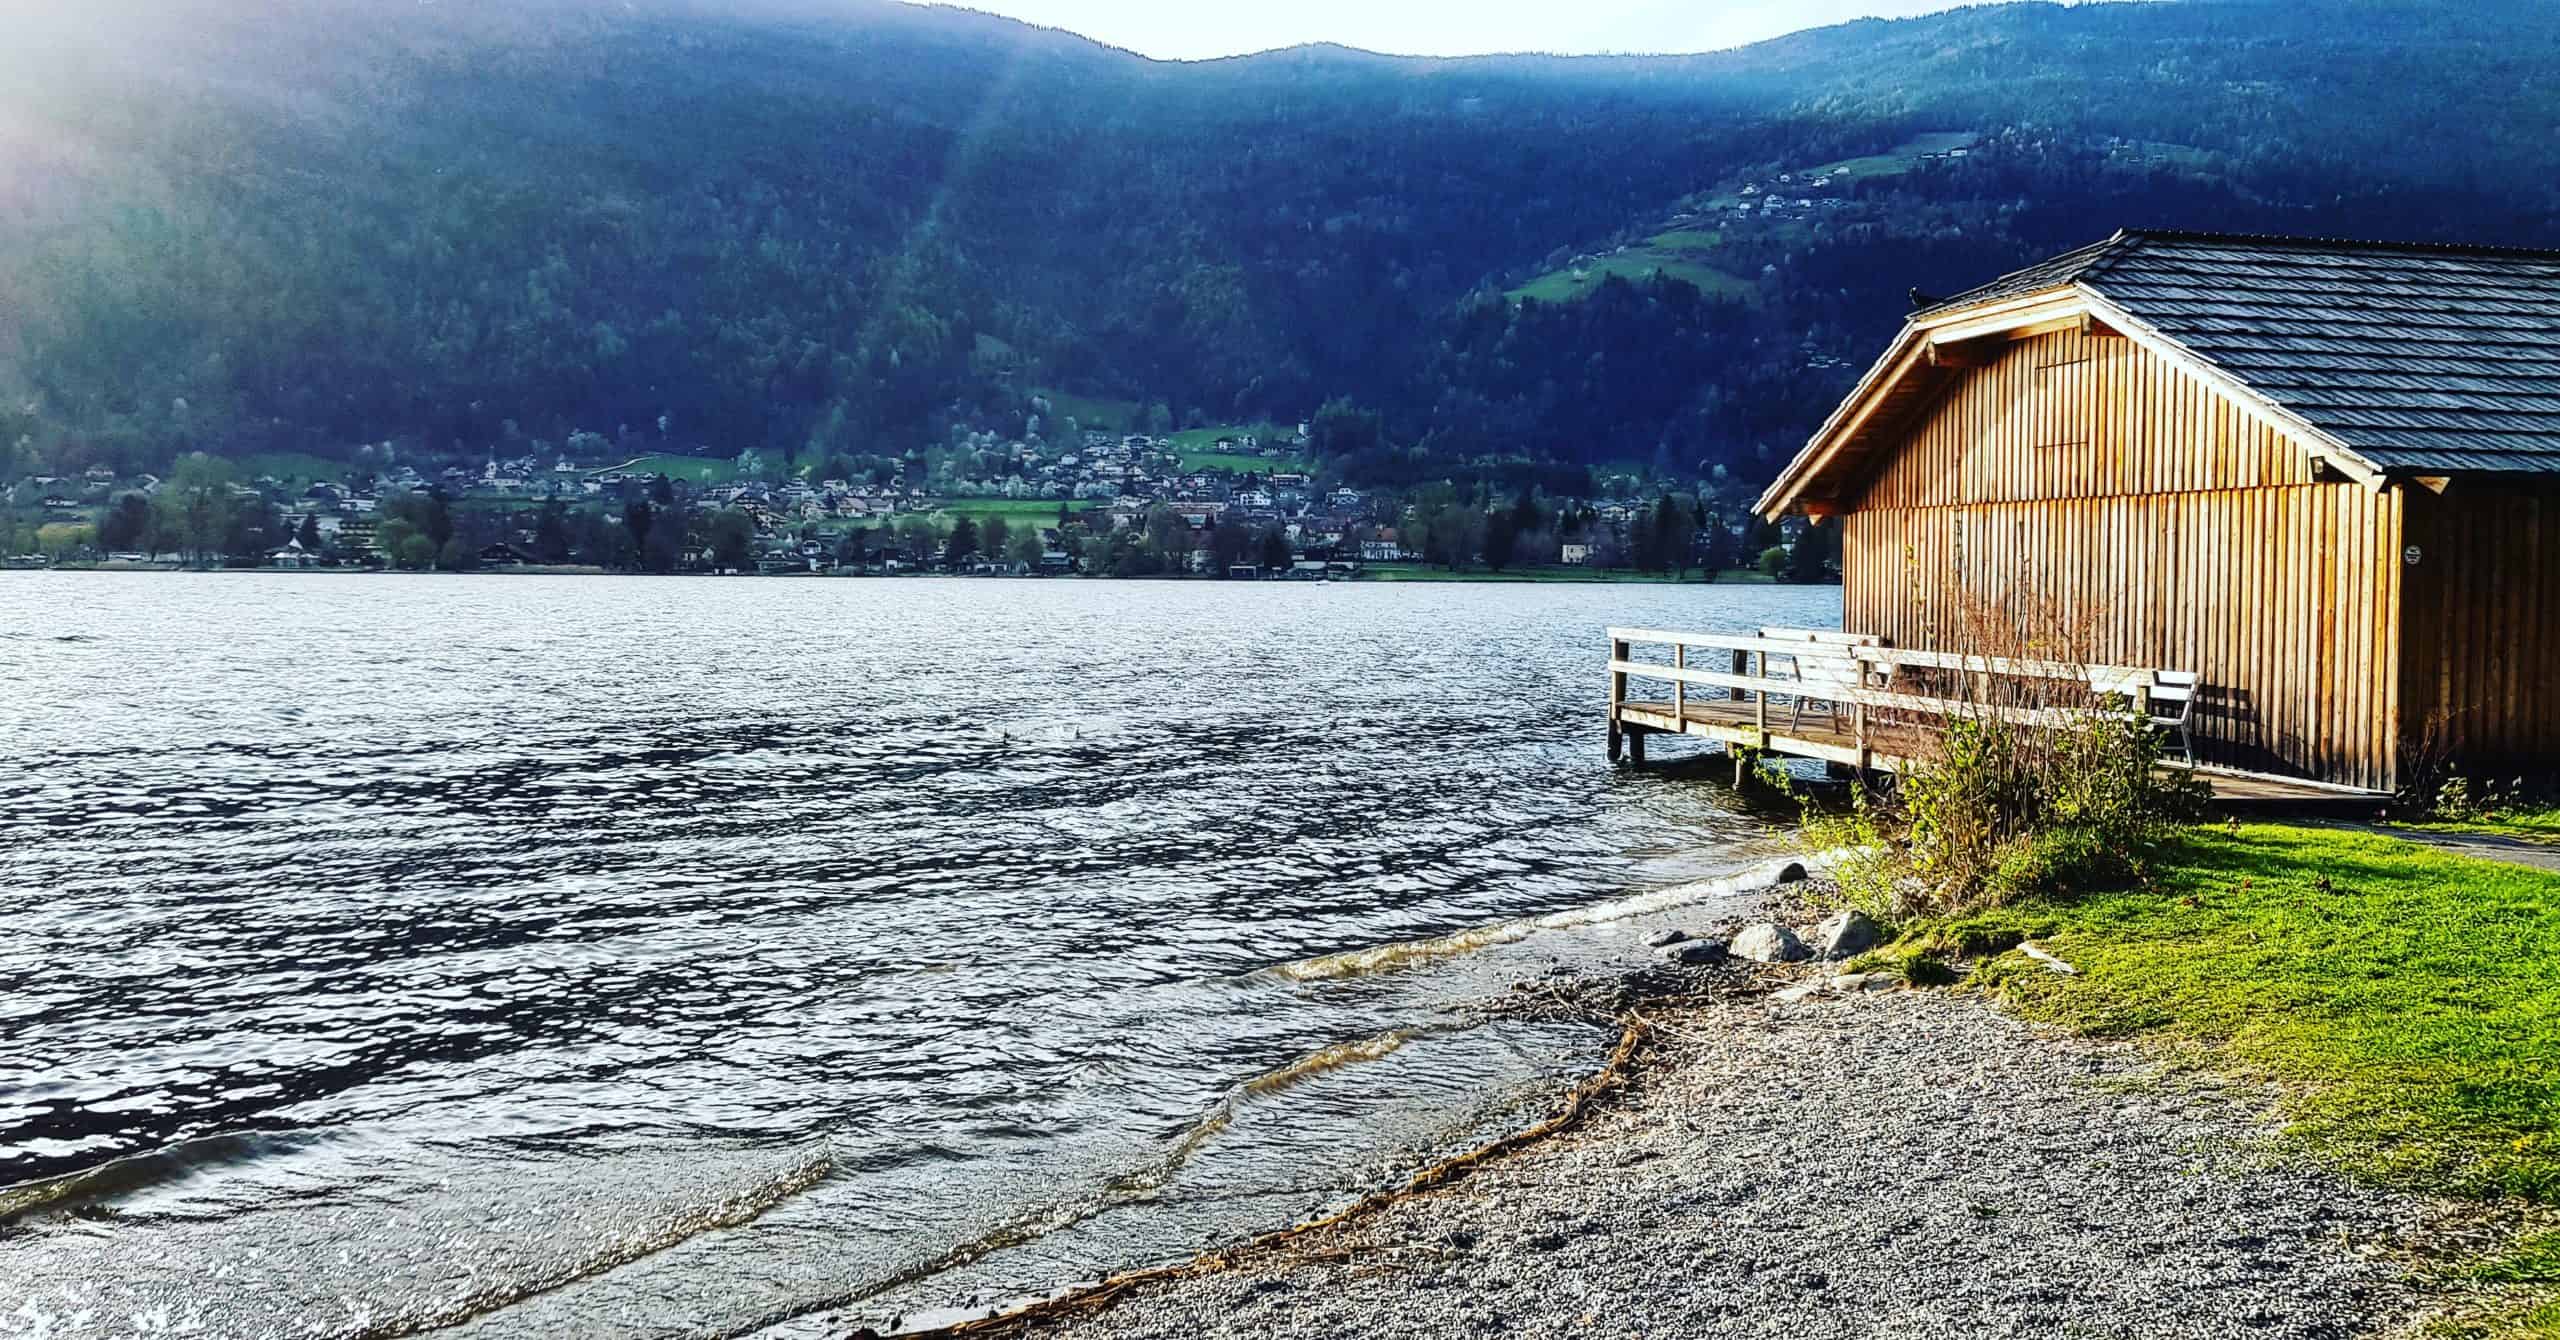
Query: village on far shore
<point x="1244" y="504"/>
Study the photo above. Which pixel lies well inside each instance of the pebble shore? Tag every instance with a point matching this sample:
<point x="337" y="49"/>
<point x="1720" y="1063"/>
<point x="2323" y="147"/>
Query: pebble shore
<point x="1835" y="1164"/>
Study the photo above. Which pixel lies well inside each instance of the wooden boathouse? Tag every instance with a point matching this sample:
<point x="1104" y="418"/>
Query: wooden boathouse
<point x="2312" y="486"/>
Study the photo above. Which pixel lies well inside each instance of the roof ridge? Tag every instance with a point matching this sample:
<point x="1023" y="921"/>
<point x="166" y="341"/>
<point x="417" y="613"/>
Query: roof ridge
<point x="2322" y="243"/>
<point x="2054" y="271"/>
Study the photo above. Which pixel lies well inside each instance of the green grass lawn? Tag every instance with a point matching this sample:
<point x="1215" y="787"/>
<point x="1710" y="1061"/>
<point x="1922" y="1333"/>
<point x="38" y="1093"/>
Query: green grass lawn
<point x="1013" y="510"/>
<point x="1095" y="413"/>
<point x="1242" y="464"/>
<point x="2405" y="1001"/>
<point x="2409" y="998"/>
<point x="1636" y="263"/>
<point x="1198" y="448"/>
<point x="1688" y="239"/>
<point x="695" y="469"/>
<point x="293" y="467"/>
<point x="1901" y="158"/>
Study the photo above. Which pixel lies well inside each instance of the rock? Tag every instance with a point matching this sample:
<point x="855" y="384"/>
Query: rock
<point x="1693" y="952"/>
<point x="1670" y="937"/>
<point x="1790" y="873"/>
<point x="1768" y="942"/>
<point x="1802" y="991"/>
<point x="1862" y="981"/>
<point x="1845" y="935"/>
<point x="2046" y="957"/>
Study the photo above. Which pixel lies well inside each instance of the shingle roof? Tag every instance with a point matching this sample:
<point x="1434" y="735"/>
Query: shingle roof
<point x="2420" y="358"/>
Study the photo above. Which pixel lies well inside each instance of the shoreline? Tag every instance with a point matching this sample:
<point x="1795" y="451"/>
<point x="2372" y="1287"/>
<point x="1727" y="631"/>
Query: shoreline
<point x="1770" y="1150"/>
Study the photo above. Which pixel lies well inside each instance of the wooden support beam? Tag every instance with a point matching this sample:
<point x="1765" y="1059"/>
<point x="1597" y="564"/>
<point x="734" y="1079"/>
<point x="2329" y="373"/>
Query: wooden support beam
<point x="1617" y="694"/>
<point x="1976" y="353"/>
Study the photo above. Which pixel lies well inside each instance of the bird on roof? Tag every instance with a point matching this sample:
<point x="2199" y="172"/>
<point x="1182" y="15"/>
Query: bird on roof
<point x="1920" y="300"/>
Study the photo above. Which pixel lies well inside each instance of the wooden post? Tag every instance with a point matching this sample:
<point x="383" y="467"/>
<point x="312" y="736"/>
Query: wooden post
<point x="1617" y="696"/>
<point x="1866" y="756"/>
<point x="1760" y="705"/>
<point x="1741" y="666"/>
<point x="1635" y="746"/>
<point x="1679" y="688"/>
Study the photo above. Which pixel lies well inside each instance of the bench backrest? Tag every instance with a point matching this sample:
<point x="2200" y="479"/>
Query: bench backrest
<point x="2173" y="695"/>
<point x="1824" y="669"/>
<point x="1832" y="637"/>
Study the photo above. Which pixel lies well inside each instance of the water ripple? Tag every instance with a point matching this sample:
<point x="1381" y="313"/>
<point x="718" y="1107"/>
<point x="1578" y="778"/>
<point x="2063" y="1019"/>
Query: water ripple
<point x="384" y="950"/>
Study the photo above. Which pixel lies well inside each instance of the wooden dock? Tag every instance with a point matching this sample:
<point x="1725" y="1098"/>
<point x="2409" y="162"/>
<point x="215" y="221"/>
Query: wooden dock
<point x="1840" y="699"/>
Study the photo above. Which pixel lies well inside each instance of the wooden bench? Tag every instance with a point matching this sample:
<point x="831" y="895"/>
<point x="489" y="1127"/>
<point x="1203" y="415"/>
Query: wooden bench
<point x="2173" y="707"/>
<point x="1826" y="668"/>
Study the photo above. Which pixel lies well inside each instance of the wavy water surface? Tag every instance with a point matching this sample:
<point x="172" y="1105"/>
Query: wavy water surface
<point x="627" y="957"/>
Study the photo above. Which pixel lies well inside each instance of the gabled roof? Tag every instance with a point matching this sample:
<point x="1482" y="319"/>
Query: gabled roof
<point x="2387" y="358"/>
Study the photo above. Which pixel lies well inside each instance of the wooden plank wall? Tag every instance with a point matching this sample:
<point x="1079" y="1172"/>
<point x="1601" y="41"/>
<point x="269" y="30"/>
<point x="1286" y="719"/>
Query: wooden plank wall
<point x="2483" y="626"/>
<point x="2176" y="529"/>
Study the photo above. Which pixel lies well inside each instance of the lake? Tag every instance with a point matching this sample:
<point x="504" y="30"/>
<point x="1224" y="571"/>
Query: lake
<point x="639" y="957"/>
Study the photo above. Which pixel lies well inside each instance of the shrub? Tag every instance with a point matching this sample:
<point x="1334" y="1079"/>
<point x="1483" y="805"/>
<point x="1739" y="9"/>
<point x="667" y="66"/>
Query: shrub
<point x="2032" y="786"/>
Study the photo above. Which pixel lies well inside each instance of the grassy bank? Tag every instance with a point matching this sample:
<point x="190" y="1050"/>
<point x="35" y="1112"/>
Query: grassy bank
<point x="2407" y="1001"/>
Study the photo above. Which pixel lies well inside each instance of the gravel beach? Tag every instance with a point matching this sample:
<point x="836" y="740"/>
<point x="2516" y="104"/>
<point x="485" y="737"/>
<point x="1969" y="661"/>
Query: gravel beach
<point x="1884" y="1163"/>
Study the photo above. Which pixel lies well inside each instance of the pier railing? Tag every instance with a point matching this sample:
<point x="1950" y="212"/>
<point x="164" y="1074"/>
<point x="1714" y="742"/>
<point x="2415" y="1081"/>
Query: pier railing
<point x="1860" y="688"/>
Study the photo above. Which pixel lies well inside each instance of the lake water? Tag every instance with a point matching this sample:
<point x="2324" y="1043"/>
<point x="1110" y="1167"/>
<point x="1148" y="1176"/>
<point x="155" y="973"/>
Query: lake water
<point x="639" y="957"/>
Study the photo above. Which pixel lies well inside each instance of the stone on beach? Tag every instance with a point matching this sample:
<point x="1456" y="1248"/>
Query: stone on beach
<point x="1659" y="939"/>
<point x="1768" y="942"/>
<point x="1845" y="935"/>
<point x="1693" y="951"/>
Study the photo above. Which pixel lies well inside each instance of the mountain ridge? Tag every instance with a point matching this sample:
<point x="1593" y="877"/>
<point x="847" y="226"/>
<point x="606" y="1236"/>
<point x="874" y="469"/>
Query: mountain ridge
<point x="458" y="224"/>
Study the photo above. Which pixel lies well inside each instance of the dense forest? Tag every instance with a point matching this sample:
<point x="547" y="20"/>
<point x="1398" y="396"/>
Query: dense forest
<point x="816" y="229"/>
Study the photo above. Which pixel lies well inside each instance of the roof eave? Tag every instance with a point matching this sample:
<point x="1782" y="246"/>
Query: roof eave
<point x="2051" y="307"/>
<point x="1938" y="327"/>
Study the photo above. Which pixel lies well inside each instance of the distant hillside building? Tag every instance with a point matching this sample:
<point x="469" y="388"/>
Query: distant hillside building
<point x="2324" y="475"/>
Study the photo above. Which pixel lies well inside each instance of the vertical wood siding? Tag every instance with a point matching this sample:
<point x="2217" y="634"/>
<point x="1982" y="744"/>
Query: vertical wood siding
<point x="2482" y="640"/>
<point x="2184" y="532"/>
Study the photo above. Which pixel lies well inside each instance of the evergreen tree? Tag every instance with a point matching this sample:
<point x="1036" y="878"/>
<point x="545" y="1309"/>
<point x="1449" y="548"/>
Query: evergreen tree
<point x="551" y="532"/>
<point x="1501" y="539"/>
<point x="638" y="519"/>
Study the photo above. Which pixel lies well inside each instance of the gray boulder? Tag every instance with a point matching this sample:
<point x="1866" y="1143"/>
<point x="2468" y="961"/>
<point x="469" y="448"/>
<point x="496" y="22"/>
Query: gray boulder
<point x="1845" y="935"/>
<point x="1693" y="952"/>
<point x="1670" y="937"/>
<point x="1768" y="942"/>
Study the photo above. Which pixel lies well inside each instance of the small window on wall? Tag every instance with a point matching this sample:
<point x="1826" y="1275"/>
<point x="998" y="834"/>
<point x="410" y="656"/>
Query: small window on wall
<point x="2062" y="408"/>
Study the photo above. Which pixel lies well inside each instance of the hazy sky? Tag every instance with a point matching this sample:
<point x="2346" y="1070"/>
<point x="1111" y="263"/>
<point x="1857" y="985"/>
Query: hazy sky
<point x="1198" y="29"/>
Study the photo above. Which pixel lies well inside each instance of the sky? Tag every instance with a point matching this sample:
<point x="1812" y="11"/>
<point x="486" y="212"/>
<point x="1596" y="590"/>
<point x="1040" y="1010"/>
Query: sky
<point x="1204" y="29"/>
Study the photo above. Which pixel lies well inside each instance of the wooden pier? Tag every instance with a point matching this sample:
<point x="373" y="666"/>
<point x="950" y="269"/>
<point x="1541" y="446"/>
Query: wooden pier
<point x="1863" y="707"/>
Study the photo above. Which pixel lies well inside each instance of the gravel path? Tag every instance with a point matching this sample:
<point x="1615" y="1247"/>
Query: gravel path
<point x="1900" y="1164"/>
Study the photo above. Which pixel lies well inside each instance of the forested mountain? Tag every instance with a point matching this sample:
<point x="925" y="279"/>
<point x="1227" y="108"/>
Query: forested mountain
<point x="813" y="227"/>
